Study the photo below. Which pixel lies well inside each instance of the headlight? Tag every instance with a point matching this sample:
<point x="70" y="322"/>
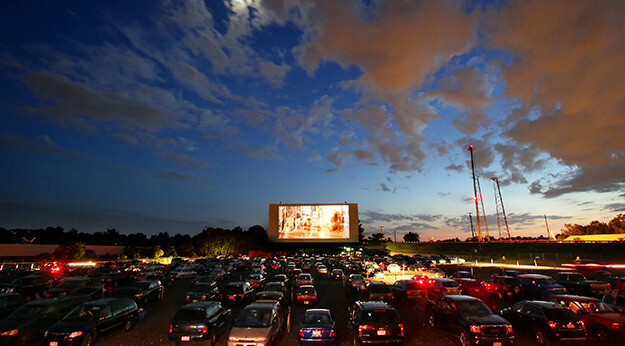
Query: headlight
<point x="233" y="339"/>
<point x="10" y="332"/>
<point x="203" y="297"/>
<point x="476" y="329"/>
<point x="261" y="339"/>
<point x="75" y="335"/>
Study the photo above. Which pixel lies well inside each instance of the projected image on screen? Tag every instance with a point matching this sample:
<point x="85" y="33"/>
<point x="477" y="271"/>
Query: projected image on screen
<point x="313" y="222"/>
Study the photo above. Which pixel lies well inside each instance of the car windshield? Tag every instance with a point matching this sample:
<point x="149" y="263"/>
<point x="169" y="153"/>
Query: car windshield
<point x="306" y="290"/>
<point x="380" y="289"/>
<point x="203" y="288"/>
<point x="142" y="285"/>
<point x="380" y="317"/>
<point x="545" y="281"/>
<point x="273" y="287"/>
<point x="317" y="318"/>
<point x="26" y="312"/>
<point x="189" y="315"/>
<point x="473" y="308"/>
<point x="83" y="290"/>
<point x="596" y="306"/>
<point x="449" y="284"/>
<point x="83" y="313"/>
<point x="253" y="318"/>
<point x="357" y="278"/>
<point x="561" y="315"/>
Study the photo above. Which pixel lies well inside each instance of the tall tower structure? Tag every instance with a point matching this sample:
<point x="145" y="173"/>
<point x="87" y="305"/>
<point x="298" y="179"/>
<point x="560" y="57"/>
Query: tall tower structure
<point x="480" y="215"/>
<point x="501" y="212"/>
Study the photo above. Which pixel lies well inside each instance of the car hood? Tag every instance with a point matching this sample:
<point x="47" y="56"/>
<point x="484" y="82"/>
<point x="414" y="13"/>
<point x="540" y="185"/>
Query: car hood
<point x="13" y="324"/>
<point x="249" y="333"/>
<point x="486" y="320"/>
<point x="69" y="327"/>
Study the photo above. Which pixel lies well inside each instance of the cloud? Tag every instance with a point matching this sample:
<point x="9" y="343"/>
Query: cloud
<point x="45" y="146"/>
<point x="182" y="160"/>
<point x="175" y="175"/>
<point x="615" y="207"/>
<point x="373" y="216"/>
<point x="384" y="187"/>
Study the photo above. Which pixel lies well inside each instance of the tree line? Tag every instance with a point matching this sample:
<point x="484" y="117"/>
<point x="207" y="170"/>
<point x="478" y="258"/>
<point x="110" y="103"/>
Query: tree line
<point x="614" y="226"/>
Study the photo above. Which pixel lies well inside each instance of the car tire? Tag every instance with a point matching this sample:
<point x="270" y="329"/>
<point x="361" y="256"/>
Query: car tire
<point x="431" y="321"/>
<point x="26" y="337"/>
<point x="213" y="340"/>
<point x="463" y="337"/>
<point x="602" y="334"/>
<point x="128" y="325"/>
<point x="356" y="343"/>
<point x="541" y="337"/>
<point x="90" y="339"/>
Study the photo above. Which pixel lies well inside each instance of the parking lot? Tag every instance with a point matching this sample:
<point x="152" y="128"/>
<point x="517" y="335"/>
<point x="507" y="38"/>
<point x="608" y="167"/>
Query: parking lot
<point x="332" y="295"/>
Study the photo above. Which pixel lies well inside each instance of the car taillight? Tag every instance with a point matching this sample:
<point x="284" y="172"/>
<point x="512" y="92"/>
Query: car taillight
<point x="301" y="332"/>
<point x="204" y="329"/>
<point x="332" y="333"/>
<point x="171" y="328"/>
<point x="401" y="329"/>
<point x="552" y="324"/>
<point x="361" y="328"/>
<point x="509" y="328"/>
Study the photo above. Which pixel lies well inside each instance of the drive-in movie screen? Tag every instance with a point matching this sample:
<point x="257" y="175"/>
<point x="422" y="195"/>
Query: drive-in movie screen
<point x="313" y="222"/>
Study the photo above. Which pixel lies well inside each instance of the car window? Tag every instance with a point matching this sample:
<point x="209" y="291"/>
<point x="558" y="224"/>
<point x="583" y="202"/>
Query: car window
<point x="26" y="312"/>
<point x="380" y="289"/>
<point x="189" y="315"/>
<point x="254" y="318"/>
<point x="473" y="308"/>
<point x="317" y="319"/>
<point x="380" y="317"/>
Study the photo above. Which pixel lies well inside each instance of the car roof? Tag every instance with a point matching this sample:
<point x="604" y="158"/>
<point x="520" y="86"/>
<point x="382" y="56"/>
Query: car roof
<point x="572" y="297"/>
<point x="535" y="276"/>
<point x="377" y="283"/>
<point x="459" y="298"/>
<point x="201" y="305"/>
<point x="374" y="305"/>
<point x="545" y="305"/>
<point x="318" y="311"/>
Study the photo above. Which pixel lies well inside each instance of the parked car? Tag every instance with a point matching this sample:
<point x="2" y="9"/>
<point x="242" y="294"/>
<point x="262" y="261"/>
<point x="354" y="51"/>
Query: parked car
<point x="472" y="287"/>
<point x="165" y="280"/>
<point x="378" y="290"/>
<point x="375" y="322"/>
<point x="274" y="286"/>
<point x="576" y="283"/>
<point x="237" y="293"/>
<point x="115" y="280"/>
<point x="600" y="319"/>
<point x="200" y="321"/>
<point x="141" y="292"/>
<point x="317" y="328"/>
<point x="90" y="292"/>
<point x="435" y="273"/>
<point x="9" y="302"/>
<point x="258" y="324"/>
<point x="306" y="294"/>
<point x="470" y="319"/>
<point x="546" y="321"/>
<point x="29" y="322"/>
<point x="32" y="286"/>
<point x="86" y="322"/>
<point x="503" y="286"/>
<point x="540" y="286"/>
<point x="304" y="279"/>
<point x="202" y="292"/>
<point x="407" y="290"/>
<point x="67" y="285"/>
<point x="438" y="287"/>
<point x="461" y="274"/>
<point x="182" y="273"/>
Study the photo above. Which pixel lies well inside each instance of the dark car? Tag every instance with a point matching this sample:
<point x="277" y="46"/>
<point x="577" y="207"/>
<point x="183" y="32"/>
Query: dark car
<point x="546" y="321"/>
<point x="375" y="322"/>
<point x="165" y="280"/>
<point x="117" y="279"/>
<point x="576" y="283"/>
<point x="237" y="293"/>
<point x="306" y="294"/>
<point x="354" y="281"/>
<point x="67" y="285"/>
<point x="203" y="291"/>
<point x="32" y="286"/>
<point x="141" y="291"/>
<point x="91" y="292"/>
<point x="378" y="290"/>
<point x="540" y="286"/>
<point x="9" y="302"/>
<point x="407" y="290"/>
<point x="470" y="319"/>
<point x="461" y="274"/>
<point x="86" y="322"/>
<point x="29" y="322"/>
<point x="337" y="274"/>
<point x="503" y="286"/>
<point x="200" y="321"/>
<point x="600" y="320"/>
<point x="317" y="328"/>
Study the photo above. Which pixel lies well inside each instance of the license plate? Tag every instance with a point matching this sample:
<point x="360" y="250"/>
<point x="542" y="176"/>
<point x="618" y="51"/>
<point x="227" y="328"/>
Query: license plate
<point x="570" y="326"/>
<point x="381" y="332"/>
<point x="54" y="343"/>
<point x="496" y="343"/>
<point x="306" y="302"/>
<point x="195" y="300"/>
<point x="316" y="333"/>
<point x="184" y="338"/>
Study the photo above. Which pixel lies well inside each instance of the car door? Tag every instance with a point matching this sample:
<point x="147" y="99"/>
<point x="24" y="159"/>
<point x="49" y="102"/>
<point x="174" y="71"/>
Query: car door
<point x="447" y="318"/>
<point x="106" y="320"/>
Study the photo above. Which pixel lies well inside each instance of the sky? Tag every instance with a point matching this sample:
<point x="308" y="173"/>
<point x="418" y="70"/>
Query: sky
<point x="173" y="116"/>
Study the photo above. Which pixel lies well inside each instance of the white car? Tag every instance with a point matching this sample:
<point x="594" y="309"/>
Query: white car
<point x="185" y="273"/>
<point x="394" y="268"/>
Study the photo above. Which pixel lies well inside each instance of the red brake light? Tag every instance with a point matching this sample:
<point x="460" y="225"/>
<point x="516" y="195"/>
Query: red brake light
<point x="552" y="324"/>
<point x="401" y="329"/>
<point x="171" y="328"/>
<point x="301" y="332"/>
<point x="361" y="328"/>
<point x="331" y="332"/>
<point x="204" y="329"/>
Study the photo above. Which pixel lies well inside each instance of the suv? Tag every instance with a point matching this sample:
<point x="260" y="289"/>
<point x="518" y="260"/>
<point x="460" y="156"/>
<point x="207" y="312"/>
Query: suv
<point x="546" y="321"/>
<point x="470" y="318"/>
<point x="258" y="324"/>
<point x="203" y="291"/>
<point x="237" y="293"/>
<point x="406" y="290"/>
<point x="540" y="286"/>
<point x="86" y="322"/>
<point x="141" y="291"/>
<point x="201" y="321"/>
<point x="502" y="286"/>
<point x="600" y="319"/>
<point x="378" y="290"/>
<point x="438" y="287"/>
<point x="375" y="322"/>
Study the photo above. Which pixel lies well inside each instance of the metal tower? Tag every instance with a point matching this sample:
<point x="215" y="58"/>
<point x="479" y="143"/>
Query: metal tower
<point x="501" y="212"/>
<point x="479" y="202"/>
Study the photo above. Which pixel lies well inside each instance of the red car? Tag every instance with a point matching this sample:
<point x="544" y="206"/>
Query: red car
<point x="502" y="286"/>
<point x="306" y="294"/>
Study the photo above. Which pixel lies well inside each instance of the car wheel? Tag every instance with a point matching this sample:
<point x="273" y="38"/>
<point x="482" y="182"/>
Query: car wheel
<point x="89" y="339"/>
<point x="431" y="321"/>
<point x="213" y="340"/>
<point x="602" y="334"/>
<point x="356" y="343"/>
<point x="128" y="325"/>
<point x="463" y="337"/>
<point x="541" y="338"/>
<point x="25" y="337"/>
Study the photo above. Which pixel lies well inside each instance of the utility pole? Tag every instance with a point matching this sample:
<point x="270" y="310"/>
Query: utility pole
<point x="479" y="201"/>
<point x="500" y="208"/>
<point x="472" y="229"/>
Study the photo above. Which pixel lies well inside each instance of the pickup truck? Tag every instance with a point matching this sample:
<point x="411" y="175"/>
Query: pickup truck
<point x="576" y="283"/>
